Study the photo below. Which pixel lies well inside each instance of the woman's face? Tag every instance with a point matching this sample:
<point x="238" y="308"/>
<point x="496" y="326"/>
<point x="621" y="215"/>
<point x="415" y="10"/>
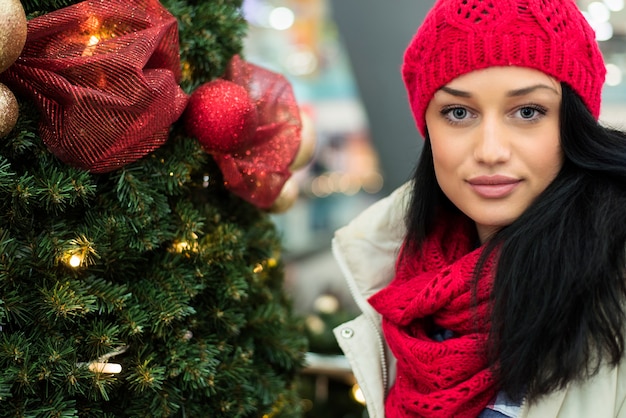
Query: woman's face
<point x="495" y="142"/>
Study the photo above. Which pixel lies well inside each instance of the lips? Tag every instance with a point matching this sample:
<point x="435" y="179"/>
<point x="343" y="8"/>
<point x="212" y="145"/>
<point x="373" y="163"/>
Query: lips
<point x="493" y="187"/>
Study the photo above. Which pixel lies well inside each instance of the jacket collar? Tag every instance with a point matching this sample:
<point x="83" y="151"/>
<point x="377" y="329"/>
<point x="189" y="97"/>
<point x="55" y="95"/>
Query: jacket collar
<point x="366" y="249"/>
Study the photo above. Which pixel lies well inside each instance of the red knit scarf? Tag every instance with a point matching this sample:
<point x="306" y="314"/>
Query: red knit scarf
<point x="434" y="291"/>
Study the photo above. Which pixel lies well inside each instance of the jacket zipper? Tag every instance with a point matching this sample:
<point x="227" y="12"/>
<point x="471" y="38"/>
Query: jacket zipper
<point x="363" y="306"/>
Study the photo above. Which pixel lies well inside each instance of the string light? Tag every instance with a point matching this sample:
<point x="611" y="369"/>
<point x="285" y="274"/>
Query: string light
<point x="357" y="394"/>
<point x="75" y="260"/>
<point x="92" y="42"/>
<point x="272" y="262"/>
<point x="101" y="365"/>
<point x="180" y="246"/>
<point x="80" y="253"/>
<point x="108" y="368"/>
<point x="184" y="245"/>
<point x="96" y="33"/>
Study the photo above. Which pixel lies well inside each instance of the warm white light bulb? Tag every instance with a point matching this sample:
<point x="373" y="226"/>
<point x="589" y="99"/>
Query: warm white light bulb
<point x="181" y="246"/>
<point x="75" y="260"/>
<point x="93" y="40"/>
<point x="357" y="394"/>
<point x="109" y="368"/>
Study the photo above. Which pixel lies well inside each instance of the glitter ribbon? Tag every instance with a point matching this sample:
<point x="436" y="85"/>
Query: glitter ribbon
<point x="257" y="173"/>
<point x="105" y="76"/>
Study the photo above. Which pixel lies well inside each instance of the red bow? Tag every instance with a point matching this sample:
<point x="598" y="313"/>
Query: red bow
<point x="105" y="77"/>
<point x="258" y="172"/>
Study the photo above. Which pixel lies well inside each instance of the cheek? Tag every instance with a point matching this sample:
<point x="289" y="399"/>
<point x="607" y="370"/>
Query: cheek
<point x="547" y="161"/>
<point x="441" y="164"/>
<point x="446" y="166"/>
<point x="448" y="156"/>
<point x="549" y="170"/>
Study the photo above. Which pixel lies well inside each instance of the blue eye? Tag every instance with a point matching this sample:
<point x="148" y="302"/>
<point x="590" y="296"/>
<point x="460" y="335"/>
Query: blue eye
<point x="459" y="113"/>
<point x="455" y="114"/>
<point x="531" y="113"/>
<point x="527" y="112"/>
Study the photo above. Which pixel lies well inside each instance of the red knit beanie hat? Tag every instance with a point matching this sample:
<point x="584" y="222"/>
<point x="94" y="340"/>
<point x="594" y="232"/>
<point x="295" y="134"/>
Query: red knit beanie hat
<point x="460" y="36"/>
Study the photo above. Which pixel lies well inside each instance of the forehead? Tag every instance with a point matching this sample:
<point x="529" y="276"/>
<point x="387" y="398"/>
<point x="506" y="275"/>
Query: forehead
<point x="511" y="78"/>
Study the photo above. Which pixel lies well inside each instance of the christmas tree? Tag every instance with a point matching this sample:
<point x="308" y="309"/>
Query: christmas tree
<point x="140" y="273"/>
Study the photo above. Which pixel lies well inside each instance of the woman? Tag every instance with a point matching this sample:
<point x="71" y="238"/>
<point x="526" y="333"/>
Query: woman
<point x="492" y="285"/>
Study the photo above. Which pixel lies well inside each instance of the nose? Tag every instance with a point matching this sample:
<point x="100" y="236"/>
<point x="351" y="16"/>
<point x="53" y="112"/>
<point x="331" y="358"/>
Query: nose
<point x="491" y="142"/>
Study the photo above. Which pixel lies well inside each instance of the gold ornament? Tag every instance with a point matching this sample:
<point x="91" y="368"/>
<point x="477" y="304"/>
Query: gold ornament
<point x="13" y="28"/>
<point x="307" y="143"/>
<point x="287" y="197"/>
<point x="9" y="110"/>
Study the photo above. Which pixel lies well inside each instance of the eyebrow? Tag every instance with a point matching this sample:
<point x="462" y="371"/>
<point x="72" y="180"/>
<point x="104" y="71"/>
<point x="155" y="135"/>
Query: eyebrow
<point x="513" y="93"/>
<point x="524" y="91"/>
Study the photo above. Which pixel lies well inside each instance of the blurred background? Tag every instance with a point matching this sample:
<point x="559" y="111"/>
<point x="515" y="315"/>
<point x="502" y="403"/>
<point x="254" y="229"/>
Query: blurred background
<point x="343" y="59"/>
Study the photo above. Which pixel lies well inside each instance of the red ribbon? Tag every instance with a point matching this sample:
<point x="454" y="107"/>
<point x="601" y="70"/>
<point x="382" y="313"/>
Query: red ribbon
<point x="105" y="77"/>
<point x="257" y="173"/>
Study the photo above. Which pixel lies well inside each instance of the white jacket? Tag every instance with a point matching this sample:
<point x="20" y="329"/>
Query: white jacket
<point x="366" y="251"/>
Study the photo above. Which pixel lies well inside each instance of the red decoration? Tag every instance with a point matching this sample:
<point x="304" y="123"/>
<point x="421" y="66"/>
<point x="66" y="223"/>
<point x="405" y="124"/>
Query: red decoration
<point x="222" y="116"/>
<point x="105" y="76"/>
<point x="257" y="166"/>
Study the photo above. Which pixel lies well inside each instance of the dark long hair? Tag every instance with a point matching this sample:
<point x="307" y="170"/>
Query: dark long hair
<point x="559" y="286"/>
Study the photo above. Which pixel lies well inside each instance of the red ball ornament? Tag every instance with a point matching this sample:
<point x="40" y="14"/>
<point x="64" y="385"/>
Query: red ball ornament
<point x="222" y="116"/>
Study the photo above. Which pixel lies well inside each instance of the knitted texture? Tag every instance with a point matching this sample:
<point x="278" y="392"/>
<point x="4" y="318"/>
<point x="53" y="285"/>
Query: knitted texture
<point x="460" y="36"/>
<point x="434" y="291"/>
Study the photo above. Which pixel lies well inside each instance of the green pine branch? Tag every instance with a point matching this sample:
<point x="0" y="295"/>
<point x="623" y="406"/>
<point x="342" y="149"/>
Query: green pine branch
<point x="154" y="266"/>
